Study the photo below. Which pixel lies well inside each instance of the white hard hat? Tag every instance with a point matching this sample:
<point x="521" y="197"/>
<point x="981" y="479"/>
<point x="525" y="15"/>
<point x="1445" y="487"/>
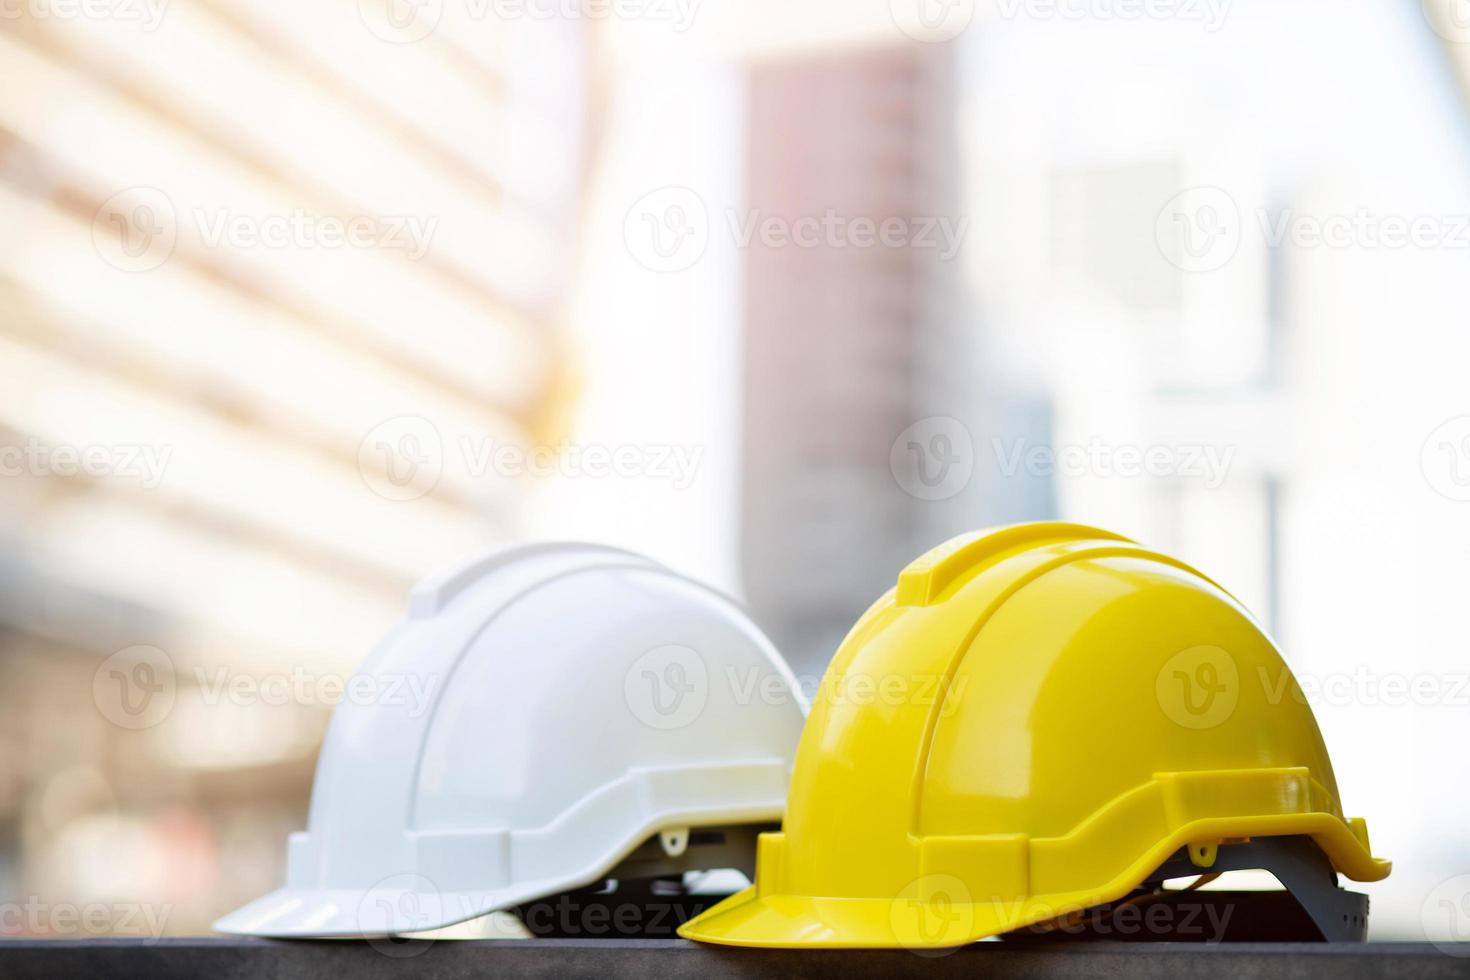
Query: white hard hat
<point x="538" y="716"/>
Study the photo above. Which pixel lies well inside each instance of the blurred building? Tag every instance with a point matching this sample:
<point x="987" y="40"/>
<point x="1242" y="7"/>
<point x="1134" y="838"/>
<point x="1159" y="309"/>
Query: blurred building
<point x="858" y="354"/>
<point x="272" y="279"/>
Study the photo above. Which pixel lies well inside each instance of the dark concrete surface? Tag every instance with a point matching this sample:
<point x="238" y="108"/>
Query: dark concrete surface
<point x="120" y="959"/>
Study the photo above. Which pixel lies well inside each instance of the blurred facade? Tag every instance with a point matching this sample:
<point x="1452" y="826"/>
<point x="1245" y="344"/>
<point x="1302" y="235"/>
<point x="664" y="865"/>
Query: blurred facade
<point x="260" y="281"/>
<point x="833" y="335"/>
<point x="300" y="302"/>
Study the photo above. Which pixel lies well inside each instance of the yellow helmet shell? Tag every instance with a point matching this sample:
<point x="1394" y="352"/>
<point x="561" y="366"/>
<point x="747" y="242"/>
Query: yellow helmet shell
<point x="1030" y="723"/>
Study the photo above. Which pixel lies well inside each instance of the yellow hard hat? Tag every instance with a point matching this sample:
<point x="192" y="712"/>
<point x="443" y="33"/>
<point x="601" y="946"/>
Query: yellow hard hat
<point x="1034" y="721"/>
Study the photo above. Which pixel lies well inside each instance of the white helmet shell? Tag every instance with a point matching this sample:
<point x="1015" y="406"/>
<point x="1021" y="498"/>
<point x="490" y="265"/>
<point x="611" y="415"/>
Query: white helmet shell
<point x="556" y="706"/>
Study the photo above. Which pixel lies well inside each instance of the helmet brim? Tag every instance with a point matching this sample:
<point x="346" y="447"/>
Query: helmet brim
<point x="300" y="913"/>
<point x="804" y="921"/>
<point x="746" y="919"/>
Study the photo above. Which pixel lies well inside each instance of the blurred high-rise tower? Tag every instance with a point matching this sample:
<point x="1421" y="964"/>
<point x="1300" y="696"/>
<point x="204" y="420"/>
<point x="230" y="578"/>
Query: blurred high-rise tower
<point x="849" y="344"/>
